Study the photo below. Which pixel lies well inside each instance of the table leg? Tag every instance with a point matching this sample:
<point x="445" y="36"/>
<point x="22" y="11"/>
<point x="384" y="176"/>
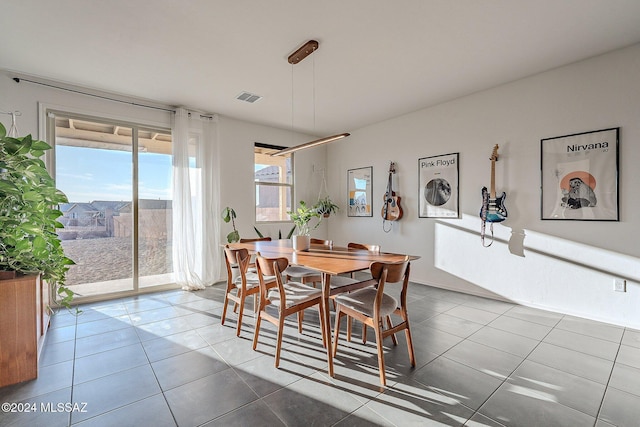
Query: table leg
<point x="326" y="287"/>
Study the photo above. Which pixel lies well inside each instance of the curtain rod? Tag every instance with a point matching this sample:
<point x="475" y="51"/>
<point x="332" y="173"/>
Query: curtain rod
<point x="21" y="79"/>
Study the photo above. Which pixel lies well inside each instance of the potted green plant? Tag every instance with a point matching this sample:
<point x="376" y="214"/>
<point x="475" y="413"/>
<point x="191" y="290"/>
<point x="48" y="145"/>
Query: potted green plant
<point x="326" y="207"/>
<point x="28" y="215"/>
<point x="228" y="214"/>
<point x="302" y="217"/>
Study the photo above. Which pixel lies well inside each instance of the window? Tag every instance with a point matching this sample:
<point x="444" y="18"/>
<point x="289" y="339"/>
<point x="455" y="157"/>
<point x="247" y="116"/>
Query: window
<point x="273" y="177"/>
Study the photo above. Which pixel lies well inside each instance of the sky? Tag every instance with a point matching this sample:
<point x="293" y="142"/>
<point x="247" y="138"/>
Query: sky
<point x="89" y="174"/>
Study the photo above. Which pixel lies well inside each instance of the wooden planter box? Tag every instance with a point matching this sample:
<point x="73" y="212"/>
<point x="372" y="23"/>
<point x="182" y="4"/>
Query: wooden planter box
<point x="23" y="324"/>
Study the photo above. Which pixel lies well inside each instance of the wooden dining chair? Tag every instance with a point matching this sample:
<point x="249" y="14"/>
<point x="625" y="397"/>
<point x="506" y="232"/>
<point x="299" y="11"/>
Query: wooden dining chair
<point x="304" y="274"/>
<point x="289" y="298"/>
<point x="241" y="283"/>
<point x="372" y="306"/>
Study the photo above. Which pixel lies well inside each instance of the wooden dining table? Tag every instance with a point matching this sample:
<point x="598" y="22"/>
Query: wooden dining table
<point x="329" y="261"/>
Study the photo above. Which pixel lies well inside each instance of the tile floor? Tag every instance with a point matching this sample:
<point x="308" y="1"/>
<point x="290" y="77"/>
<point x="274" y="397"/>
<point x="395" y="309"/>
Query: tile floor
<point x="164" y="360"/>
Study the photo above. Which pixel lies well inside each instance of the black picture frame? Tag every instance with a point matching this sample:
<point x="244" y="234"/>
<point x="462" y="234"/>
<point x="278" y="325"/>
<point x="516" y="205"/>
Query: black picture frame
<point x="579" y="176"/>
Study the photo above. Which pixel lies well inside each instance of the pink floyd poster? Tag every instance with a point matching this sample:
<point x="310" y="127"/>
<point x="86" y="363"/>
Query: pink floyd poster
<point x="580" y="176"/>
<point x="438" y="186"/>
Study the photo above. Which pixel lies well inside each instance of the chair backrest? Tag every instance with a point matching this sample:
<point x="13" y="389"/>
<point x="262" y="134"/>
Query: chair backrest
<point x="236" y="260"/>
<point x="257" y="239"/>
<point x="391" y="272"/>
<point x="321" y="242"/>
<point x="370" y="248"/>
<point x="270" y="267"/>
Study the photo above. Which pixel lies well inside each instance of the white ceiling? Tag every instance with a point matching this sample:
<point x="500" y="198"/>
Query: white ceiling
<point x="377" y="58"/>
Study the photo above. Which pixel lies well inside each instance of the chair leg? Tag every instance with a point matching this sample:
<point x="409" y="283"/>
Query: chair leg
<point x="349" y="325"/>
<point x="364" y="333"/>
<point x="239" y="326"/>
<point x="300" y="319"/>
<point x="412" y="357"/>
<point x="378" y="331"/>
<point x="339" y="315"/>
<point x="393" y="336"/>
<point x="257" y="331"/>
<point x="324" y="335"/>
<point x="224" y="308"/>
<point x="279" y="342"/>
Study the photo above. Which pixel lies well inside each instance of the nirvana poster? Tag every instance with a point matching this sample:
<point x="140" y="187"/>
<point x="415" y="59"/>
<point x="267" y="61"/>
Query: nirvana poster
<point x="580" y="176"/>
<point x="438" y="186"/>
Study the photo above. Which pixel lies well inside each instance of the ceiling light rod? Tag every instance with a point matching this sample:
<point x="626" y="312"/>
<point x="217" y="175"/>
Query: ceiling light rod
<point x="305" y="50"/>
<point x="311" y="144"/>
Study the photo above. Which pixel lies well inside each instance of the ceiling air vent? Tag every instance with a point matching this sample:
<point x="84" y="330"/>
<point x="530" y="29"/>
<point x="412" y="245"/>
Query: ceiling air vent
<point x="248" y="97"/>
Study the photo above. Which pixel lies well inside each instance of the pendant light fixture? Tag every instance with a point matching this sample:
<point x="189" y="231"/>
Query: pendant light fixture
<point x="301" y="53"/>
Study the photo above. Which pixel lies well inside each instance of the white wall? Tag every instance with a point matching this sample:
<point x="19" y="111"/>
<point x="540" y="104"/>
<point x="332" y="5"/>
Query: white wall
<point x="565" y="266"/>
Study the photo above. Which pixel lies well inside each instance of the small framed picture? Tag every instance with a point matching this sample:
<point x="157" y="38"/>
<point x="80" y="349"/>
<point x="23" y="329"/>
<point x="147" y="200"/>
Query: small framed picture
<point x="580" y="176"/>
<point x="359" y="191"/>
<point x="438" y="186"/>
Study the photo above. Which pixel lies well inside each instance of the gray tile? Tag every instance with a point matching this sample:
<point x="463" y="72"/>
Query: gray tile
<point x="322" y="402"/>
<point x="177" y="370"/>
<point x="479" y="420"/>
<point x="453" y="325"/>
<point x="625" y="378"/>
<point x="620" y="409"/>
<point x="513" y="406"/>
<point x="364" y="417"/>
<point x="485" y="359"/>
<point x="50" y="378"/>
<point x="492" y="305"/>
<point x="254" y="414"/>
<point x="101" y="326"/>
<point x="62" y="318"/>
<point x="573" y="362"/>
<point x="521" y="327"/>
<point x="172" y="345"/>
<point x="413" y="404"/>
<point x="63" y="333"/>
<point x="145" y="303"/>
<point x="534" y="315"/>
<point x="57" y="352"/>
<point x="473" y="314"/>
<point x="583" y="343"/>
<point x="114" y="391"/>
<point x="629" y="356"/>
<point x="152" y="411"/>
<point x="506" y="341"/>
<point x="208" y="398"/>
<point x="236" y="351"/>
<point x="264" y="378"/>
<point x="38" y="414"/>
<point x="91" y="313"/>
<point x="157" y="314"/>
<point x="545" y="383"/>
<point x="592" y="328"/>
<point x="457" y="381"/>
<point x="162" y="328"/>
<point x="108" y="362"/>
<point x="631" y="338"/>
<point x="106" y="341"/>
<point x="433" y="340"/>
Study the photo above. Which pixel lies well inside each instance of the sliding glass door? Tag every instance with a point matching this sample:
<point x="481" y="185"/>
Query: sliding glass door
<point x="117" y="224"/>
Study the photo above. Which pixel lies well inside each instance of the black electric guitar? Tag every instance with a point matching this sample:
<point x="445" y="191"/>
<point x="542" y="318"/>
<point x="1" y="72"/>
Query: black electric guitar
<point x="493" y="209"/>
<point x="391" y="210"/>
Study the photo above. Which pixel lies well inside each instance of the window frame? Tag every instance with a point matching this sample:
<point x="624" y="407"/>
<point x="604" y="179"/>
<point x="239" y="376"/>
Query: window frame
<point x="279" y="185"/>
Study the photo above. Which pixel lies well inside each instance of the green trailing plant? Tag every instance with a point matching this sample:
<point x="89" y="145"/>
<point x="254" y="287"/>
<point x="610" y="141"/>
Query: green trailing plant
<point x="326" y="207"/>
<point x="302" y="216"/>
<point x="228" y="214"/>
<point x="29" y="215"/>
<point x="261" y="235"/>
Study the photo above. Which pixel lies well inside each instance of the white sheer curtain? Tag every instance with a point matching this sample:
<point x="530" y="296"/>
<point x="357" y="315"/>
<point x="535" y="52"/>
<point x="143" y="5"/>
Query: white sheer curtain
<point x="196" y="206"/>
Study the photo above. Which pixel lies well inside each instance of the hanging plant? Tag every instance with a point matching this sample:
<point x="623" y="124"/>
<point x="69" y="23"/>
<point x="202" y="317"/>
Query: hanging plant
<point x="326" y="207"/>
